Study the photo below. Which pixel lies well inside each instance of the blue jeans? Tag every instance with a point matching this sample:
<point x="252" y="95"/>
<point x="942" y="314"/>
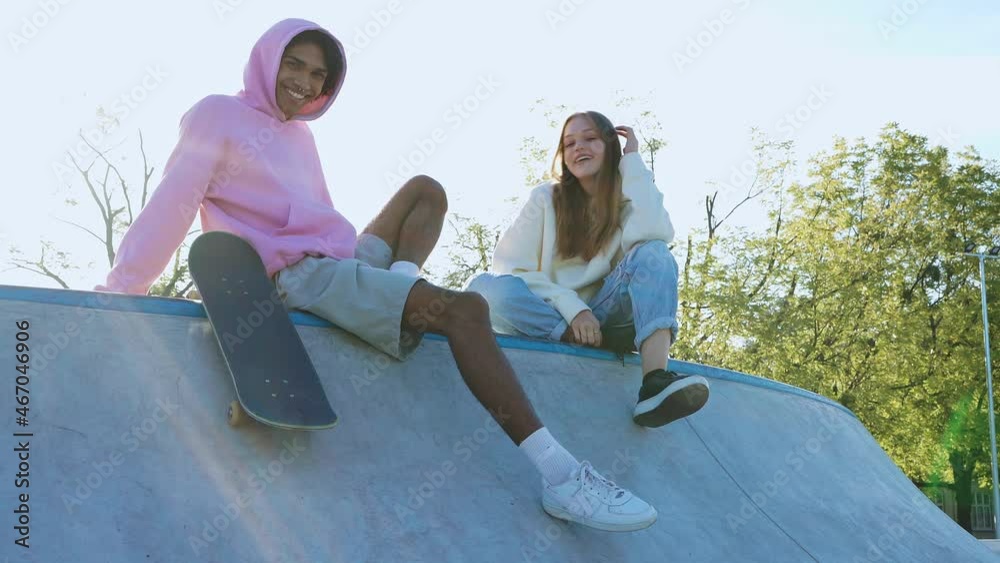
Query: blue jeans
<point x="640" y="294"/>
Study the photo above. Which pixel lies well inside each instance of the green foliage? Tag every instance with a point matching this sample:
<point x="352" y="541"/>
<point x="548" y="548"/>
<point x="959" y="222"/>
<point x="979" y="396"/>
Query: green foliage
<point x="472" y="251"/>
<point x="857" y="291"/>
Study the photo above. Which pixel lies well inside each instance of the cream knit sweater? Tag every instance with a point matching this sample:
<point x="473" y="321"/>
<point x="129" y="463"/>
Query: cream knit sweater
<point x="528" y="248"/>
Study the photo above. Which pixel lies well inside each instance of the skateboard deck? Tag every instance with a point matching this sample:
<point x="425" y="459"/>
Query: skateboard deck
<point x="276" y="382"/>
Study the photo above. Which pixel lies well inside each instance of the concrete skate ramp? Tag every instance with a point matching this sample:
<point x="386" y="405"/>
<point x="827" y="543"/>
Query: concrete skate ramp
<point x="131" y="458"/>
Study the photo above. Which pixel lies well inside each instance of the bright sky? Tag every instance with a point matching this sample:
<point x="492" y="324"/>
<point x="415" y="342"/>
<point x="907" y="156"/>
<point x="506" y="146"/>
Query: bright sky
<point x="845" y="68"/>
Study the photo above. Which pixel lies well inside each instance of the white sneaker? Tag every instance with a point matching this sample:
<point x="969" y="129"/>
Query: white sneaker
<point x="592" y="500"/>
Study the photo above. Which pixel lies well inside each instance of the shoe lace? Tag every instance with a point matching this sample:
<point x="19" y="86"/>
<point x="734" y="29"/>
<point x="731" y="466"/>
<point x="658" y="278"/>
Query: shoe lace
<point x="599" y="484"/>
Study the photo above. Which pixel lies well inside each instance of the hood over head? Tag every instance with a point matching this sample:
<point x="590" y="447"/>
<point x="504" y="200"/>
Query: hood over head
<point x="261" y="72"/>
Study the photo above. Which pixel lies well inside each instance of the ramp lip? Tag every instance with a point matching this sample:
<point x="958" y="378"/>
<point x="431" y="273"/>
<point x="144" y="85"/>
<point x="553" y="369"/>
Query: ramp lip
<point x="178" y="307"/>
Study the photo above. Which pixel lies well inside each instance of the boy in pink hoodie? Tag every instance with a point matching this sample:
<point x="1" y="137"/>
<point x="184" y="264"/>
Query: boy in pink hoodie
<point x="249" y="165"/>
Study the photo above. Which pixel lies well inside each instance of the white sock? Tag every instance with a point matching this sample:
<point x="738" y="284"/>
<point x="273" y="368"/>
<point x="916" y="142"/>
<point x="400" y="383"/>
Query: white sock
<point x="406" y="268"/>
<point x="552" y="460"/>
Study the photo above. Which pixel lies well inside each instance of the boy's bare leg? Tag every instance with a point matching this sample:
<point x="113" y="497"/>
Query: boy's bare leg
<point x="410" y="223"/>
<point x="571" y="491"/>
<point x="465" y="320"/>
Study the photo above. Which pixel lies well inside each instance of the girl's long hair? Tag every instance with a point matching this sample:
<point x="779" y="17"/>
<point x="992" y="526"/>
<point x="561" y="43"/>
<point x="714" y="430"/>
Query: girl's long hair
<point x="585" y="224"/>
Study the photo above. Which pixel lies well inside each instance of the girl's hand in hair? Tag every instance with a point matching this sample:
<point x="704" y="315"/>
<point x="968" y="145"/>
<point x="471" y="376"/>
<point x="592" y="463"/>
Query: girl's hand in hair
<point x="586" y="329"/>
<point x="631" y="142"/>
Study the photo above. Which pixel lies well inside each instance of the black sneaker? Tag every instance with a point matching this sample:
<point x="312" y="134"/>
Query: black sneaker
<point x="666" y="396"/>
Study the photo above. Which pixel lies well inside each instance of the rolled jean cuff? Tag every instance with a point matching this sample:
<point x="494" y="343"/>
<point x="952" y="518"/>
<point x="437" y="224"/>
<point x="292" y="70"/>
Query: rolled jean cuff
<point x="559" y="330"/>
<point x="652" y="326"/>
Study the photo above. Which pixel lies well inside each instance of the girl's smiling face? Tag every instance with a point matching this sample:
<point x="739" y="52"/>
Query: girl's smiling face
<point x="583" y="148"/>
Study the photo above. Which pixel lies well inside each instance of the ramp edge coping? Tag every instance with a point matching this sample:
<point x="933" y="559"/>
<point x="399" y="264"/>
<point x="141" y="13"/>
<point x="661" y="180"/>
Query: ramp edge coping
<point x="172" y="306"/>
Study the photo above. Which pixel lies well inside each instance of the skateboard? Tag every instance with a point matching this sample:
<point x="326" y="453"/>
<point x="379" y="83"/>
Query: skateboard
<point x="276" y="382"/>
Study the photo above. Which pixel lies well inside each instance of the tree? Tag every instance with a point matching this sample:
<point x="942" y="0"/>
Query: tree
<point x="472" y="251"/>
<point x="856" y="290"/>
<point x="117" y="211"/>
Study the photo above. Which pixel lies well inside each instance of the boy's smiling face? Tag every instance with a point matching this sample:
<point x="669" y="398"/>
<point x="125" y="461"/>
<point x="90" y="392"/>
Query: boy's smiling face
<point x="301" y="75"/>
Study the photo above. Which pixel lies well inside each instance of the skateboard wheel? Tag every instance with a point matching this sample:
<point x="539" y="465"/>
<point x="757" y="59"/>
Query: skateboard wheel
<point x="236" y="416"/>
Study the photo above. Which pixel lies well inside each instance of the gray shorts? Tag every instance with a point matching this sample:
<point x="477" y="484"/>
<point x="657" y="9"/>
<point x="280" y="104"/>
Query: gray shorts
<point x="359" y="295"/>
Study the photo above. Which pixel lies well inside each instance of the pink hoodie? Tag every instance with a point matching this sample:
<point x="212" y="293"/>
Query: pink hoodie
<point x="248" y="171"/>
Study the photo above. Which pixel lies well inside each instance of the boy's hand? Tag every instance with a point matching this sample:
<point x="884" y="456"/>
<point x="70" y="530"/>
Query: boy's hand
<point x="586" y="329"/>
<point x="631" y="142"/>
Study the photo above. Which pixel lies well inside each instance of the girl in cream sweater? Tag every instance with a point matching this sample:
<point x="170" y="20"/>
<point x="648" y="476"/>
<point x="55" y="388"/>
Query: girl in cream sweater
<point x="587" y="259"/>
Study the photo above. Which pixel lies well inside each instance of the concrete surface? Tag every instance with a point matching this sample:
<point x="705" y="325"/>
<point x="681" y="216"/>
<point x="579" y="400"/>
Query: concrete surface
<point x="994" y="545"/>
<point x="131" y="458"/>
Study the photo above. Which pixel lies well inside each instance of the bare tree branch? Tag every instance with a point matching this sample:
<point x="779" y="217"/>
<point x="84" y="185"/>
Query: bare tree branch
<point x="147" y="171"/>
<point x="53" y="264"/>
<point x="772" y="259"/>
<point x="121" y="180"/>
<point x="183" y="292"/>
<point x="104" y="186"/>
<point x="90" y="185"/>
<point x="42" y="268"/>
<point x="92" y="233"/>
